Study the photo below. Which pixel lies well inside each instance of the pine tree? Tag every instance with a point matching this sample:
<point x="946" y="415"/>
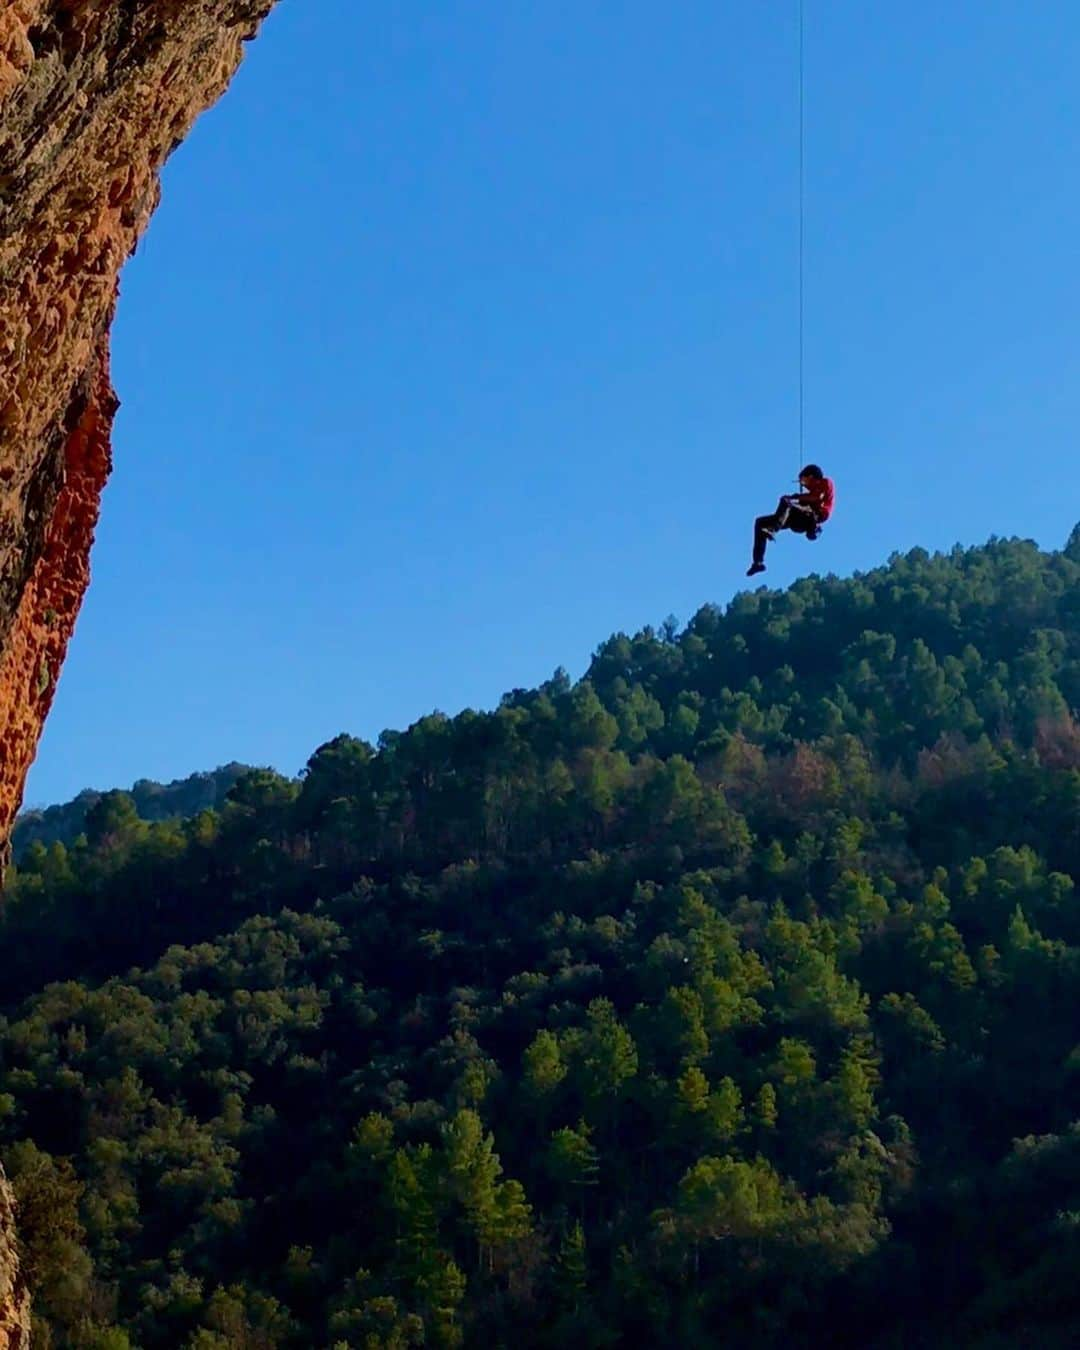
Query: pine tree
<point x="571" y="1269"/>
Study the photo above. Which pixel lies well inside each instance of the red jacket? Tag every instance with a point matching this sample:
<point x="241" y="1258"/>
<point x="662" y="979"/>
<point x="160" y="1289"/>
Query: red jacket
<point x="819" y="496"/>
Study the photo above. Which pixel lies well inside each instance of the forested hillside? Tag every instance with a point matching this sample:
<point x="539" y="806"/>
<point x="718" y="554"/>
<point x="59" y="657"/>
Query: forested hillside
<point x="153" y="801"/>
<point x="729" y="996"/>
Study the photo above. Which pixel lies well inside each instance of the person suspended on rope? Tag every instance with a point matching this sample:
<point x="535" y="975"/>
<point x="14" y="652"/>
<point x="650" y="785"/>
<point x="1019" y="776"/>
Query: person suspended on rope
<point x="801" y="512"/>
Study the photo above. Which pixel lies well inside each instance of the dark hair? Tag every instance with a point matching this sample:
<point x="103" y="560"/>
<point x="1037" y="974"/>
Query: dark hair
<point x="811" y="471"/>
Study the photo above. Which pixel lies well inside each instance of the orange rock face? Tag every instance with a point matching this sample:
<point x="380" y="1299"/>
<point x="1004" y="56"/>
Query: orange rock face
<point x="94" y="95"/>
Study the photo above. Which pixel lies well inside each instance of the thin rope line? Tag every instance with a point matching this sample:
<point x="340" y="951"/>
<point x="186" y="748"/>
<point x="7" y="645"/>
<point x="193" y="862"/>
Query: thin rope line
<point x="802" y="226"/>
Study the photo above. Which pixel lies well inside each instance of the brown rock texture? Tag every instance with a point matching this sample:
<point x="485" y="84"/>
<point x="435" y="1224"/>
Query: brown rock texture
<point x="94" y="95"/>
<point x="14" y="1296"/>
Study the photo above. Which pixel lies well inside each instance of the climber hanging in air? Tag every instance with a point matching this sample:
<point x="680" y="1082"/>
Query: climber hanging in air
<point x="802" y="512"/>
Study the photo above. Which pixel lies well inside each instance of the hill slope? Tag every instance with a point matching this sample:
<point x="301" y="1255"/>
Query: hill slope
<point x="179" y="799"/>
<point x="732" y="993"/>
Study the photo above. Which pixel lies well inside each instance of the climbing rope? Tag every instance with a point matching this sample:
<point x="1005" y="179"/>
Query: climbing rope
<point x="802" y="217"/>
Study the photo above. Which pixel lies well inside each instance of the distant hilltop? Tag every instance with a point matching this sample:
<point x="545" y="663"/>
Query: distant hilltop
<point x="179" y="799"/>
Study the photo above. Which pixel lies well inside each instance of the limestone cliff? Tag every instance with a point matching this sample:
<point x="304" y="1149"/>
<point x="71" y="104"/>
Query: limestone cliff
<point x="94" y="94"/>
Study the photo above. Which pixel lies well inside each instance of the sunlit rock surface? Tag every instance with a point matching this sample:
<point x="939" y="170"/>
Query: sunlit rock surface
<point x="14" y="1298"/>
<point x="94" y="94"/>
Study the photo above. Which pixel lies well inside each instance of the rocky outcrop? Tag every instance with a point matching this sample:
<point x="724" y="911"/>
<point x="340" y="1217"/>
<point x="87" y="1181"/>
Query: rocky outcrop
<point x="14" y="1297"/>
<point x="94" y="95"/>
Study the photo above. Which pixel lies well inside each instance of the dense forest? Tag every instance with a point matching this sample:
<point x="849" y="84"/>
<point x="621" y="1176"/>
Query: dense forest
<point x="727" y="996"/>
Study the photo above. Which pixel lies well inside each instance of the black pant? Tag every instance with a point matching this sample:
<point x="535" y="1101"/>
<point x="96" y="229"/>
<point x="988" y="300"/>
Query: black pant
<point x="788" y="515"/>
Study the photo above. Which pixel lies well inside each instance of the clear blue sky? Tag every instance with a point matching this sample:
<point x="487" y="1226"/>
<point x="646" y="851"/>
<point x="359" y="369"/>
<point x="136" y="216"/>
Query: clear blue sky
<point x="466" y="336"/>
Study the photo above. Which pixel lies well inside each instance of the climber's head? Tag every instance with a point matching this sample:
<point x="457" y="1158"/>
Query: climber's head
<point x="810" y="474"/>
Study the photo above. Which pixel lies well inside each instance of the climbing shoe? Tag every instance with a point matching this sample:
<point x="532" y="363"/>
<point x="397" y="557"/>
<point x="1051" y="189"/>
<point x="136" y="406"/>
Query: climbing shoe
<point x="754" y="569"/>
